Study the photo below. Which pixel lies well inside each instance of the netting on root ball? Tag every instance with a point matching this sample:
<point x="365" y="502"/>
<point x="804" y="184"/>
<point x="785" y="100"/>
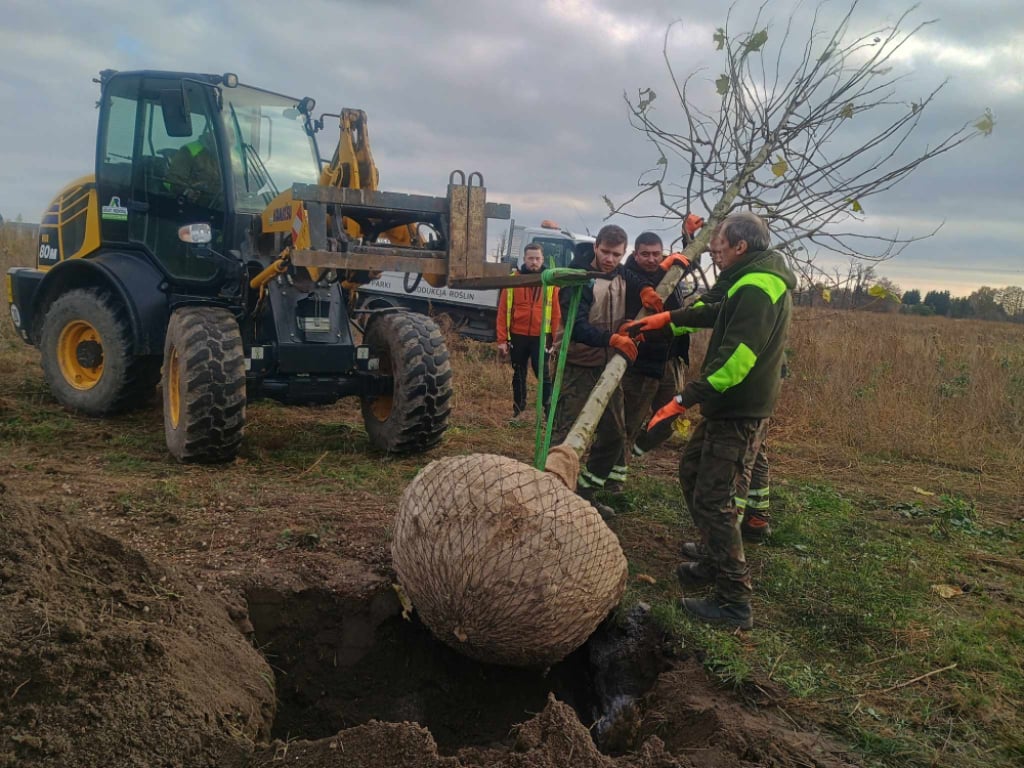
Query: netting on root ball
<point x="503" y="562"/>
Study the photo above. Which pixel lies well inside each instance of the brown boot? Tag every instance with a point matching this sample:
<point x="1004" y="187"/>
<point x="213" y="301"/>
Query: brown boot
<point x="755" y="526"/>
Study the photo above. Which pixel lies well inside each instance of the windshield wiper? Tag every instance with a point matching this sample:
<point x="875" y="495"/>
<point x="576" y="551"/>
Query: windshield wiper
<point x="260" y="172"/>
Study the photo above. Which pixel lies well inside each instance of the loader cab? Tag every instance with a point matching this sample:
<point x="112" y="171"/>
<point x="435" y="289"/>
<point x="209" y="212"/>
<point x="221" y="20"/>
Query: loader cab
<point x="177" y="149"/>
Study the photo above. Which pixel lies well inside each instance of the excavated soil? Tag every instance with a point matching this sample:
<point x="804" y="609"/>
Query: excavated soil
<point x="110" y="658"/>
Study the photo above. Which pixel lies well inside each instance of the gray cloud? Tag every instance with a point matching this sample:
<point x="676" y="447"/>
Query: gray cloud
<point x="528" y="93"/>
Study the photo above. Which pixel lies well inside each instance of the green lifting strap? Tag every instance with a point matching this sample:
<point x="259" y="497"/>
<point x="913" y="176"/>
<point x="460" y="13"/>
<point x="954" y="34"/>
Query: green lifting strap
<point x="563" y="278"/>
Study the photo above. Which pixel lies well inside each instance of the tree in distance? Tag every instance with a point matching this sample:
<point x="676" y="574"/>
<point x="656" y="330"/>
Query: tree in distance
<point x="802" y="125"/>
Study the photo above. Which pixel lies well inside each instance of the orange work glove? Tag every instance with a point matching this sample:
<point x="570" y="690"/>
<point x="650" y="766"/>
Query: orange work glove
<point x="692" y="223"/>
<point x="624" y="345"/>
<point x="651" y="300"/>
<point x="636" y="337"/>
<point x="672" y="259"/>
<point x="667" y="412"/>
<point x="649" y="323"/>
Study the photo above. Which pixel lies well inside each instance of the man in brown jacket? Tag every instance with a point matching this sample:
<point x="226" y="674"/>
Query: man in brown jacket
<point x="595" y="338"/>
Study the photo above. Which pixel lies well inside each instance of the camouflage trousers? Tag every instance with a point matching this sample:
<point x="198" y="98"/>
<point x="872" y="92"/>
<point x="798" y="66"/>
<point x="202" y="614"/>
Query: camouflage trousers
<point x="714" y="462"/>
<point x="609" y="439"/>
<point x="753" y="490"/>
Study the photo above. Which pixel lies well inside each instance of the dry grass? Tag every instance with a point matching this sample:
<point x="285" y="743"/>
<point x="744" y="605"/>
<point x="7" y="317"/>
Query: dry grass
<point x="844" y="599"/>
<point x="911" y="388"/>
<point x="16" y="250"/>
<point x="862" y="387"/>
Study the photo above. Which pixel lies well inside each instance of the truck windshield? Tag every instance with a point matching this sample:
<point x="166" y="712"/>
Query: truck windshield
<point x="270" y="149"/>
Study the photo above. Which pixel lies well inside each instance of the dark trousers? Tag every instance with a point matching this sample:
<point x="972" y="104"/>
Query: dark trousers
<point x="610" y="437"/>
<point x="523" y="351"/>
<point x="671" y="383"/>
<point x="717" y="457"/>
<point x="638" y="392"/>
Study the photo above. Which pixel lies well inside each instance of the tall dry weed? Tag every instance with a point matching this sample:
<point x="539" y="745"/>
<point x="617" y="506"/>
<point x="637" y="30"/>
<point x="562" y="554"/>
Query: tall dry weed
<point x="17" y="249"/>
<point x="910" y="388"/>
<point x="891" y="386"/>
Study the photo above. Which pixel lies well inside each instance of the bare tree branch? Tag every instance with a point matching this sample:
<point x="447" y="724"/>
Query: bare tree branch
<point x="802" y="135"/>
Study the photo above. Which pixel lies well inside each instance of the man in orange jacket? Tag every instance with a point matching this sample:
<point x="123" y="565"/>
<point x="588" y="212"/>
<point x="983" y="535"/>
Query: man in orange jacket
<point x="522" y="312"/>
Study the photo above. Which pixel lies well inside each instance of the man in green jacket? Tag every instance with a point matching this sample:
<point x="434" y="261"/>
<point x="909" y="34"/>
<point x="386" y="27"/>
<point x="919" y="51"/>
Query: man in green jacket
<point x="737" y="390"/>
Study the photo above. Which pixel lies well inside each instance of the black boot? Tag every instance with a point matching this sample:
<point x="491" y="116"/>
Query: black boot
<point x="695" y="575"/>
<point x="694" y="550"/>
<point x="714" y="611"/>
<point x="606" y="512"/>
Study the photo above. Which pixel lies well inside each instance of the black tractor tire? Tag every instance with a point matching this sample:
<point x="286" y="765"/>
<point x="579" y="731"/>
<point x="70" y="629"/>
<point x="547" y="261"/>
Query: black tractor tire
<point x="203" y="385"/>
<point x="411" y="349"/>
<point x="85" y="346"/>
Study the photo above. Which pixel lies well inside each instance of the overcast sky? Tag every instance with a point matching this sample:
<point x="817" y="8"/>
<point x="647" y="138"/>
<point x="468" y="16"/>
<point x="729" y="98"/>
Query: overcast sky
<point x="528" y="92"/>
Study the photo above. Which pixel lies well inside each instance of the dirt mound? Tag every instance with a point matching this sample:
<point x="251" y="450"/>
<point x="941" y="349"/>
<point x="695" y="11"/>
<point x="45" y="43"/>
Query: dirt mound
<point x="709" y="733"/>
<point x="555" y="738"/>
<point x="715" y="730"/>
<point x="109" y="660"/>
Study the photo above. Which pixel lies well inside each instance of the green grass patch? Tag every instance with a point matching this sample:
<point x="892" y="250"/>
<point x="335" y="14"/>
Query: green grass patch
<point x="40" y="427"/>
<point x="850" y="618"/>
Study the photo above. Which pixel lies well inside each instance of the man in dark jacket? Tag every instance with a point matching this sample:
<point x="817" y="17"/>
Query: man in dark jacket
<point x="737" y="391"/>
<point x="595" y="338"/>
<point x="642" y="381"/>
<point x="753" y="489"/>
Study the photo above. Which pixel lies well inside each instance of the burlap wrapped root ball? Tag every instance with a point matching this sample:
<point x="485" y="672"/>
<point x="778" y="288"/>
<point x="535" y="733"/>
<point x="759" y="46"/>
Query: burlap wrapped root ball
<point x="503" y="562"/>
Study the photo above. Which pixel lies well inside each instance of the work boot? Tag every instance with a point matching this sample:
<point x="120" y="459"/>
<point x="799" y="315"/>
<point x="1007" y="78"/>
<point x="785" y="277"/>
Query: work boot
<point x="694" y="550"/>
<point x="518" y="418"/>
<point x="614" y="487"/>
<point x="714" y="611"/>
<point x="755" y="526"/>
<point x="695" y="575"/>
<point x="587" y="494"/>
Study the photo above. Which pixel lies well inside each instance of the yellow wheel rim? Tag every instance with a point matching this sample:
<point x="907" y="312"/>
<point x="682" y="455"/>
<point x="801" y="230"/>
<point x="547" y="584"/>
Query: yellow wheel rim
<point x="174" y="388"/>
<point x="381" y="407"/>
<point x="76" y="372"/>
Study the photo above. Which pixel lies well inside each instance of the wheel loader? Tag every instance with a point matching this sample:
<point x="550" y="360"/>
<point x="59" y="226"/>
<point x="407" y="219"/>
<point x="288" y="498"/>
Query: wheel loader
<point x="215" y="253"/>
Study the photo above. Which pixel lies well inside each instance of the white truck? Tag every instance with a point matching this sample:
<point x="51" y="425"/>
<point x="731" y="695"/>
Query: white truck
<point x="472" y="312"/>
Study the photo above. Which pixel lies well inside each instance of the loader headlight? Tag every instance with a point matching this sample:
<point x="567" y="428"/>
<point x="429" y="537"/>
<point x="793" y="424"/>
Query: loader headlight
<point x="195" y="233"/>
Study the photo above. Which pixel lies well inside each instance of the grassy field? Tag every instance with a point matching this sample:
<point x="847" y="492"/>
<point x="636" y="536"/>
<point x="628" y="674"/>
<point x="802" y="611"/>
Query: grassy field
<point x="889" y="603"/>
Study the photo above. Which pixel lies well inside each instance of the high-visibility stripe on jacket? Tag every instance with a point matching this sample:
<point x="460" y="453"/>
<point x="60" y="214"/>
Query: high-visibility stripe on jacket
<point x="741" y="373"/>
<point x="549" y="297"/>
<point x="520" y="311"/>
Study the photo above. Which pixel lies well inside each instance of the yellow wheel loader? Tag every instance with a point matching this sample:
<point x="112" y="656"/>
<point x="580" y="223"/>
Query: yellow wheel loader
<point x="208" y="253"/>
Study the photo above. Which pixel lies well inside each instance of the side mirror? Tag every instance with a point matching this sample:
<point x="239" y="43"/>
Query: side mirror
<point x="176" y="114"/>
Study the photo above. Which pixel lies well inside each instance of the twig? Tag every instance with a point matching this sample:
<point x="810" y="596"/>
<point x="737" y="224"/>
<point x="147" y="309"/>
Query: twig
<point x="19" y="688"/>
<point x="915" y="680"/>
<point x="314" y="465"/>
<point x="1012" y="563"/>
<point x="896" y="687"/>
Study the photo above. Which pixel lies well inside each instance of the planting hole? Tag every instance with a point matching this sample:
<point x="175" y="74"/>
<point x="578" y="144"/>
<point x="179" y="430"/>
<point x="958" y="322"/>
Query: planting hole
<point x="339" y="662"/>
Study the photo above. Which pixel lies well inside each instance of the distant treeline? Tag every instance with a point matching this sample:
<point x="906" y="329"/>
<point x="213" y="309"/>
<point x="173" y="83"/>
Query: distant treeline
<point x="1001" y="304"/>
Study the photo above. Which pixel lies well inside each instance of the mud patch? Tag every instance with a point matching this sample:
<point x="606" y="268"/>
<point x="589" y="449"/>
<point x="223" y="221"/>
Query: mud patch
<point x="109" y="660"/>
